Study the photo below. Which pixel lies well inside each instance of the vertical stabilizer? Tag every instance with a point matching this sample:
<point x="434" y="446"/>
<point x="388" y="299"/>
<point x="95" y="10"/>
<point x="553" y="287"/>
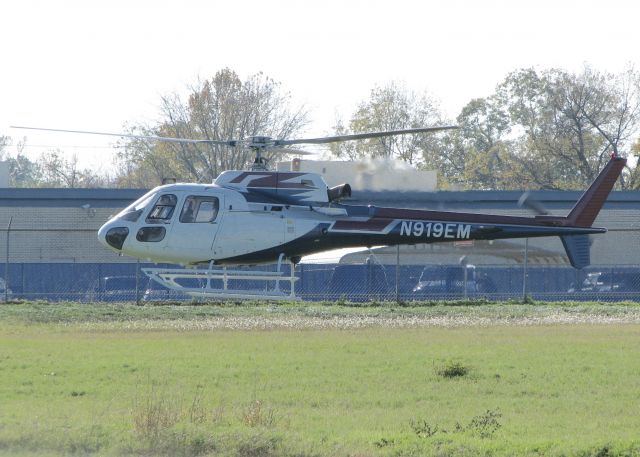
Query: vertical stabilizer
<point x="587" y="208"/>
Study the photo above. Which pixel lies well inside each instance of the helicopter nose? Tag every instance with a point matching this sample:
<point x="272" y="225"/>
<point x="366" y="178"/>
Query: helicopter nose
<point x="113" y="236"/>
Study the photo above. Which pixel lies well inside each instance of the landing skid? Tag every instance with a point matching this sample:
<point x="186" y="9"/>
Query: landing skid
<point x="214" y="282"/>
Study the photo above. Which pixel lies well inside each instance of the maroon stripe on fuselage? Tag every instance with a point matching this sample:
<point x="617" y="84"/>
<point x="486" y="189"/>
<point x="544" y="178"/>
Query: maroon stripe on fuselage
<point x="273" y="180"/>
<point x="374" y="224"/>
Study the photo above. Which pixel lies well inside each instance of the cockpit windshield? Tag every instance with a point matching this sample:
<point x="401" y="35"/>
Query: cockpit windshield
<point x="133" y="211"/>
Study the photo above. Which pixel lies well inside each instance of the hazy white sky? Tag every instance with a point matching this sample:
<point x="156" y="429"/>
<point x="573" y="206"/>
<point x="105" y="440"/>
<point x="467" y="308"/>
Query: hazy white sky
<point x="90" y="65"/>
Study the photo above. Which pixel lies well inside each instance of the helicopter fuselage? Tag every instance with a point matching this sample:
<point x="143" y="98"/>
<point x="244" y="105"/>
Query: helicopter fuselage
<point x="250" y="218"/>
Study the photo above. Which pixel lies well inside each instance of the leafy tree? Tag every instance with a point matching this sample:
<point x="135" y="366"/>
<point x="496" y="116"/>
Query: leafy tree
<point x="22" y="171"/>
<point x="549" y="130"/>
<point x="4" y="142"/>
<point x="391" y="107"/>
<point x="634" y="175"/>
<point x="51" y="169"/>
<point x="485" y="152"/>
<point x="222" y="108"/>
<point x="54" y="170"/>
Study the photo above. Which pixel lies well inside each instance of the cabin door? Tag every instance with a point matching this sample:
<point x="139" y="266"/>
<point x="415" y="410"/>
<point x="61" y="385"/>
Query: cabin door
<point x="195" y="229"/>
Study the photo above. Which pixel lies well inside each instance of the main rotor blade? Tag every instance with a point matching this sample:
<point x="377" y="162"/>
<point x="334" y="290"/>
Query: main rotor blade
<point x="141" y="137"/>
<point x="361" y="136"/>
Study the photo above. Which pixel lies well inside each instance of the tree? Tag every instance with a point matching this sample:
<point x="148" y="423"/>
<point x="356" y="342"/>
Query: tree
<point x="557" y="148"/>
<point x="486" y="158"/>
<point x="22" y="171"/>
<point x="4" y="142"/>
<point x="54" y="170"/>
<point x="634" y="175"/>
<point x="613" y="107"/>
<point x="223" y="108"/>
<point x="392" y="107"/>
<point x="550" y="129"/>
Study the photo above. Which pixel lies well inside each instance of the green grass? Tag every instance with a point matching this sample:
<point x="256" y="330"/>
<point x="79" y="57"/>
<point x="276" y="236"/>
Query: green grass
<point x="70" y="387"/>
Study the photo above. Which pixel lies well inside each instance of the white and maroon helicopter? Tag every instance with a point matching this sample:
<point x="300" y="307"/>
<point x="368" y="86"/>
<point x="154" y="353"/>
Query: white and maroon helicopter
<point x="261" y="216"/>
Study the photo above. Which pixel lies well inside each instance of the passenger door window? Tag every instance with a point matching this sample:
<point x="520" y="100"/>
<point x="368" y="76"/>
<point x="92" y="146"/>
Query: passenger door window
<point x="199" y="209"/>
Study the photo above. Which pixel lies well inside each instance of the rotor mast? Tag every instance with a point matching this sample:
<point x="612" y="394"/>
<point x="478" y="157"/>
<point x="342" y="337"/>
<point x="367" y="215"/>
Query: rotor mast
<point x="258" y="144"/>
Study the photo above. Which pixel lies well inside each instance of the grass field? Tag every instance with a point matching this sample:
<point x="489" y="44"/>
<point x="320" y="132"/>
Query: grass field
<point x="319" y="380"/>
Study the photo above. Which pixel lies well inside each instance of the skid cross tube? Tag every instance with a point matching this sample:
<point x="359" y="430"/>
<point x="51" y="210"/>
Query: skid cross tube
<point x="171" y="277"/>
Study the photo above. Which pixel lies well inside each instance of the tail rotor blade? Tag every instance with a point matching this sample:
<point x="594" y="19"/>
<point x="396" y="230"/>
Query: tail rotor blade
<point x="527" y="201"/>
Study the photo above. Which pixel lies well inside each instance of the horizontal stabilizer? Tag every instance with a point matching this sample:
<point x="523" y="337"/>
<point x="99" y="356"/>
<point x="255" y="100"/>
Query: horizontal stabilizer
<point x="578" y="250"/>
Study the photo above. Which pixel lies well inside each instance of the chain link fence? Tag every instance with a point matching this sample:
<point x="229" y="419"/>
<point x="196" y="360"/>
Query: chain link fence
<point x="119" y="282"/>
<point x="49" y="251"/>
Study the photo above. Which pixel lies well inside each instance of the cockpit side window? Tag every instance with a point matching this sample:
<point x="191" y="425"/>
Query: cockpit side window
<point x="163" y="209"/>
<point x="199" y="209"/>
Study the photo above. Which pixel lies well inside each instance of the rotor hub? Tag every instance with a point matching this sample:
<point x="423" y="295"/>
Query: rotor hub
<point x="260" y="142"/>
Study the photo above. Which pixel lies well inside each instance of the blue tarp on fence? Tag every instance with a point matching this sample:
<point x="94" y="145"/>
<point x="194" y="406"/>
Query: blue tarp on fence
<point x="109" y="282"/>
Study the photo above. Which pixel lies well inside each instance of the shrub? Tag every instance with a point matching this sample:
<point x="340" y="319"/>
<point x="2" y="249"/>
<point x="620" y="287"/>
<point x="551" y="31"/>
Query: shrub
<point x="452" y="369"/>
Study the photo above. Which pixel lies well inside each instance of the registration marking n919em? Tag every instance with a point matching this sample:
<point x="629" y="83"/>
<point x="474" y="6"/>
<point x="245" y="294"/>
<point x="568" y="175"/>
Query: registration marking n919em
<point x="451" y="231"/>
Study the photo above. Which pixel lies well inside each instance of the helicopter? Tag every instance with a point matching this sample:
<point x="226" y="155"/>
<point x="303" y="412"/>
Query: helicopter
<point x="250" y="217"/>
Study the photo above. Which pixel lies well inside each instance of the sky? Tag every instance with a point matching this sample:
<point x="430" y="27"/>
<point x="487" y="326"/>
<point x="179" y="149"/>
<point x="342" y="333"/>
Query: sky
<point x="89" y="65"/>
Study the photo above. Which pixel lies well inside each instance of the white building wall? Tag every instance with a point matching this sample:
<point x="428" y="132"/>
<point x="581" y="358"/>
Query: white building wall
<point x="55" y="235"/>
<point x="373" y="175"/>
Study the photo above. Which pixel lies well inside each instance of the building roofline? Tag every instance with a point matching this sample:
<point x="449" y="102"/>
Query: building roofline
<point x="119" y="198"/>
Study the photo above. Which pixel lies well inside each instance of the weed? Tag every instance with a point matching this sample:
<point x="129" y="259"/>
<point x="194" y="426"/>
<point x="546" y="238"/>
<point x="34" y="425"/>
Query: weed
<point x="154" y="413"/>
<point x="383" y="442"/>
<point x="452" y="369"/>
<point x="423" y="429"/>
<point x="256" y="414"/>
<point x="197" y="412"/>
<point x="485" y="424"/>
<point x="257" y="446"/>
<point x="180" y="441"/>
<point x="342" y="301"/>
<point x="604" y="451"/>
<point x="89" y="441"/>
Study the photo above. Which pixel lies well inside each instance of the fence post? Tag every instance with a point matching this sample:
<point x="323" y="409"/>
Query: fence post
<point x="137" y="281"/>
<point x="369" y="278"/>
<point x="464" y="262"/>
<point x="300" y="288"/>
<point x="525" y="271"/>
<point x="397" y="273"/>
<point x="6" y="263"/>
